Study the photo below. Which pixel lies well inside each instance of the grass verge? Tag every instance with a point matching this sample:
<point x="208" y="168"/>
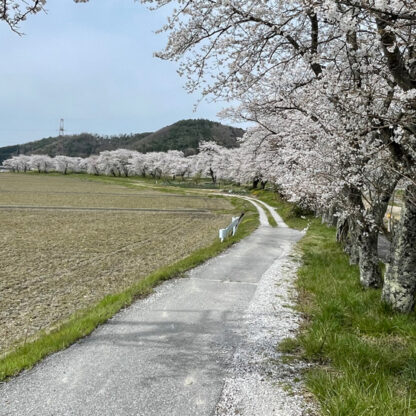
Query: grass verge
<point x="85" y="321"/>
<point x="270" y="218"/>
<point x="365" y="353"/>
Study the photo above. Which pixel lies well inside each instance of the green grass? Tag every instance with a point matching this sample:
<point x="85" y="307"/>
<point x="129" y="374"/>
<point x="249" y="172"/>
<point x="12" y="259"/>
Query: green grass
<point x="272" y="221"/>
<point x="85" y="321"/>
<point x="365" y="353"/>
<point x="161" y="185"/>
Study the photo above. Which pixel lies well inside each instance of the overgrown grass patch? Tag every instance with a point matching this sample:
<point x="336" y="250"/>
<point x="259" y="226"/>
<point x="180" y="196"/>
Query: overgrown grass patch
<point x="365" y="353"/>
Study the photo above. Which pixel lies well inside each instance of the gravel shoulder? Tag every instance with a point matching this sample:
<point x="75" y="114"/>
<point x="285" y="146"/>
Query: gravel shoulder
<point x="259" y="382"/>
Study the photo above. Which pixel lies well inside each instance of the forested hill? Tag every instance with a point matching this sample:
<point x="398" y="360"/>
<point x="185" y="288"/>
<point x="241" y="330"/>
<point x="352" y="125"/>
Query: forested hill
<point x="184" y="135"/>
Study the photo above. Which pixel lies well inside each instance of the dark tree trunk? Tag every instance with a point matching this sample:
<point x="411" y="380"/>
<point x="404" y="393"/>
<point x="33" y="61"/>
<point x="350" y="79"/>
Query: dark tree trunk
<point x="370" y="273"/>
<point x="347" y="235"/>
<point x="351" y="229"/>
<point x="347" y="227"/>
<point x="263" y="184"/>
<point x="213" y="177"/>
<point x="255" y="183"/>
<point x="400" y="279"/>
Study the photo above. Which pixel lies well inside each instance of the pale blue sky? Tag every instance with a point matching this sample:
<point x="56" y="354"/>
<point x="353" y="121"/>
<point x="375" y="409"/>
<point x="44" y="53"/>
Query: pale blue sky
<point x="91" y="64"/>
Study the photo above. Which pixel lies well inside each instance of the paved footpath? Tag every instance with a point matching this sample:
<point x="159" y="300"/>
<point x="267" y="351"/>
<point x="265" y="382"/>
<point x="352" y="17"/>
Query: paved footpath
<point x="166" y="355"/>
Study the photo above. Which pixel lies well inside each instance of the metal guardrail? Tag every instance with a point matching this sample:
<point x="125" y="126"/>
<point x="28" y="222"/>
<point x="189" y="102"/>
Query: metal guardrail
<point x="232" y="228"/>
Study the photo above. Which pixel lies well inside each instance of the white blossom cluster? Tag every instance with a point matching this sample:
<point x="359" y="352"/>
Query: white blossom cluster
<point x="13" y="12"/>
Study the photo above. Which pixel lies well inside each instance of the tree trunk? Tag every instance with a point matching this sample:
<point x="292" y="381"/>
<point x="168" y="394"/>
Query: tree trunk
<point x="352" y="247"/>
<point x="263" y="184"/>
<point x="347" y="236"/>
<point x="370" y="273"/>
<point x="342" y="229"/>
<point x="211" y="173"/>
<point x="255" y="183"/>
<point x="350" y="228"/>
<point x="400" y="279"/>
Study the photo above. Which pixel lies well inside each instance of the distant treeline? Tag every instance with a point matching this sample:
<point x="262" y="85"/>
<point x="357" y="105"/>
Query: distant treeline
<point x="184" y="135"/>
<point x="212" y="160"/>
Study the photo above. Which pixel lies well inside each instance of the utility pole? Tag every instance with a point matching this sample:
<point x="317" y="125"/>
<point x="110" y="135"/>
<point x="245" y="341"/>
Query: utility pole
<point x="61" y="127"/>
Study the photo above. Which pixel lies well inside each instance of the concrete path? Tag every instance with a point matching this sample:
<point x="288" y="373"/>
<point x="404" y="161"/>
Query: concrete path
<point x="165" y="355"/>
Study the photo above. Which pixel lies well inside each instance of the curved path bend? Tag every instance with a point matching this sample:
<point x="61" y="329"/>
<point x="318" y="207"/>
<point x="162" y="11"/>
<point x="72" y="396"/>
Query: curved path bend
<point x="166" y="355"/>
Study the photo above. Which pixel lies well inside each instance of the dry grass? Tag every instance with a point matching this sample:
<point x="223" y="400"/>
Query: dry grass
<point x="55" y="262"/>
<point x="55" y="191"/>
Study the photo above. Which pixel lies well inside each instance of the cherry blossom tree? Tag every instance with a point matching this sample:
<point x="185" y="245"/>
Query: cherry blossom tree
<point x="121" y="159"/>
<point x="13" y="12"/>
<point x="347" y="65"/>
<point x="11" y="164"/>
<point x="208" y="159"/>
<point x="114" y="162"/>
<point x="138" y="164"/>
<point x="41" y="163"/>
<point x="64" y="164"/>
<point x="174" y="164"/>
<point x="182" y="166"/>
<point x="89" y="165"/>
<point x="20" y="163"/>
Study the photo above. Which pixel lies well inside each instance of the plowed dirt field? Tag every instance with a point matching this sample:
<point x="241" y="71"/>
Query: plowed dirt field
<point x="54" y="262"/>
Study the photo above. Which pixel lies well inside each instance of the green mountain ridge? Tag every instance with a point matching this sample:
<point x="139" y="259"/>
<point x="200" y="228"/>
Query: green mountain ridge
<point x="183" y="135"/>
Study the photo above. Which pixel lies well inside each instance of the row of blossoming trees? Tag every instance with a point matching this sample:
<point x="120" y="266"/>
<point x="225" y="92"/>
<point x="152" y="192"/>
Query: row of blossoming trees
<point x="239" y="165"/>
<point x="306" y="177"/>
<point x="331" y="88"/>
<point x="212" y="161"/>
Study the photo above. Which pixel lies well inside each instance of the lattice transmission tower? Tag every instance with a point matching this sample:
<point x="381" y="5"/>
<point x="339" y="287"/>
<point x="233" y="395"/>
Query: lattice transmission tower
<point x="61" y="127"/>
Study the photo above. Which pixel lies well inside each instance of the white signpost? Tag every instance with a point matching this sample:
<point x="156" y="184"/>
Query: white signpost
<point x="224" y="232"/>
